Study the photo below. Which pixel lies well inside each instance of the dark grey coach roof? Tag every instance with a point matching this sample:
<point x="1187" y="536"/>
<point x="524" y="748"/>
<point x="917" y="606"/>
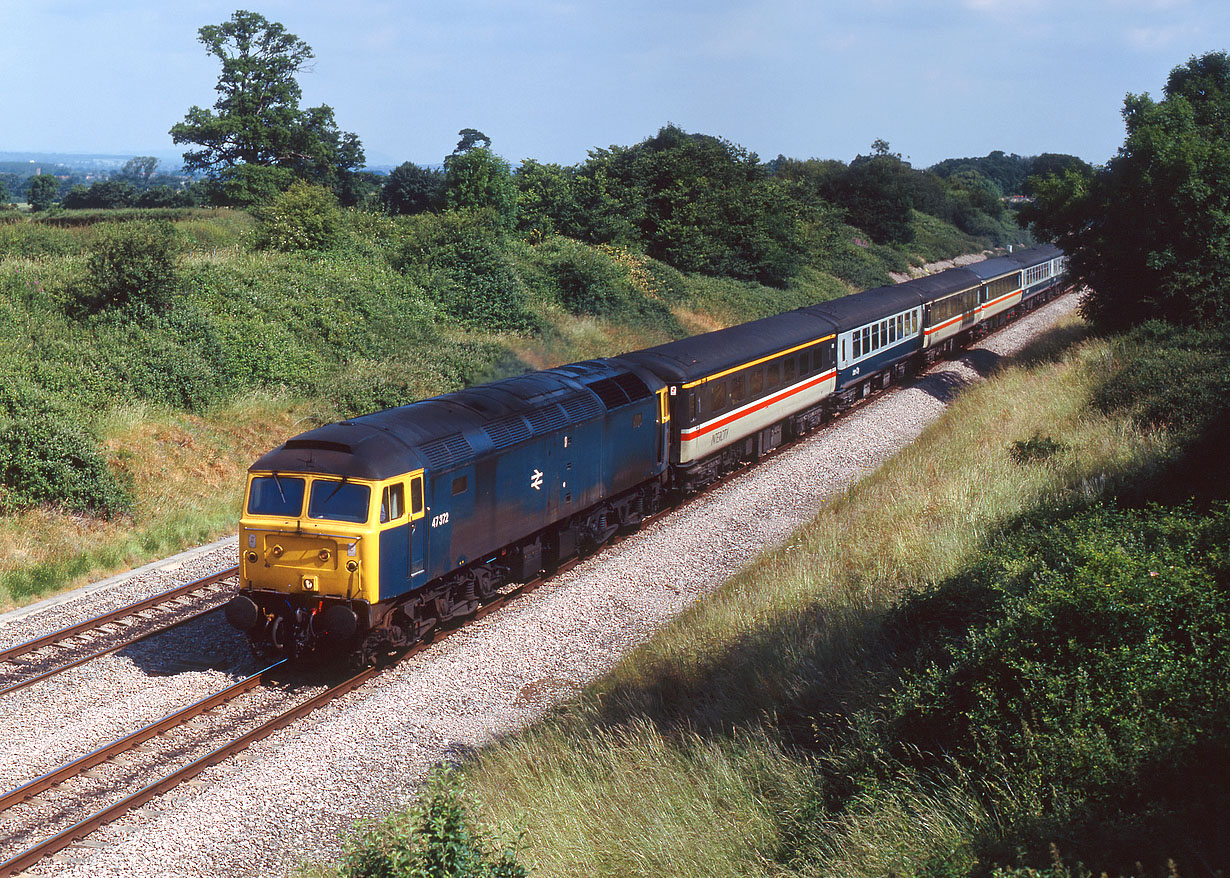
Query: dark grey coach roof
<point x="997" y="266"/>
<point x="850" y="312"/>
<point x="689" y="359"/>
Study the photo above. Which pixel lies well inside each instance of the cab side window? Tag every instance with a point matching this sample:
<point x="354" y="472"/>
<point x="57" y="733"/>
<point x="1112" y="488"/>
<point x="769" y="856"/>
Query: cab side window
<point x="393" y="503"/>
<point x="416" y="495"/>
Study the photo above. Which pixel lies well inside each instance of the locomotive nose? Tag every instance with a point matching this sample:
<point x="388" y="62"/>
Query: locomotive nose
<point x="242" y="612"/>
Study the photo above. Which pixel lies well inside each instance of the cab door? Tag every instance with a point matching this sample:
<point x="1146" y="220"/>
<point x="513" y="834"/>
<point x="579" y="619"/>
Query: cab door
<point x="418" y="535"/>
<point x="402" y="544"/>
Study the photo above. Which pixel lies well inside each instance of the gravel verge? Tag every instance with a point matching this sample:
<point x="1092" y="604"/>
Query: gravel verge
<point x="294" y="796"/>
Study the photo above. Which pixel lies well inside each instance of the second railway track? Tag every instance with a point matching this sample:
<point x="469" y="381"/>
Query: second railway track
<point x="108" y="788"/>
<point x="31" y="661"/>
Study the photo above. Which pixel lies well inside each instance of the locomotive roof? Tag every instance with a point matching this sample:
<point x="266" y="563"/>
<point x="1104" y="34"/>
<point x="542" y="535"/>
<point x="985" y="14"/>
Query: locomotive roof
<point x="699" y="355"/>
<point x="446" y="430"/>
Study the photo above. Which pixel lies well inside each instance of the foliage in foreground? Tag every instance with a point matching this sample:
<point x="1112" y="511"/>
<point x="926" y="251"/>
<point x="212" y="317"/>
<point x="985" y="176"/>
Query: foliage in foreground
<point x="438" y="838"/>
<point x="1078" y="670"/>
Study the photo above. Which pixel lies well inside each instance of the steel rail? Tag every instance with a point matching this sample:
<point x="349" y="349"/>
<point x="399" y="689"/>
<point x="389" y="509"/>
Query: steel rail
<point x="121" y="745"/>
<point x="114" y="615"/>
<point x="83" y="828"/>
<point x="80" y="830"/>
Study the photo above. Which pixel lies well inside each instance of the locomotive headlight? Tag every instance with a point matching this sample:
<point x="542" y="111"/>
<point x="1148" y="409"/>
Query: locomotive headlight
<point x="309" y="583"/>
<point x="352" y="566"/>
<point x="253" y="557"/>
<point x="324" y="555"/>
<point x="276" y="551"/>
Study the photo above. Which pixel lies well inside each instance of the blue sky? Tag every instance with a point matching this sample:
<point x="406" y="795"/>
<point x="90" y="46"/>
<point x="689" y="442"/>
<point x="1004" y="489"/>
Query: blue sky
<point x="552" y="79"/>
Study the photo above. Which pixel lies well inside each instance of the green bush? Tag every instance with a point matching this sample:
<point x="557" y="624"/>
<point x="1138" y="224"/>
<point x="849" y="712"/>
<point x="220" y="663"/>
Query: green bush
<point x="437" y="839"/>
<point x="1080" y="671"/>
<point x="47" y="459"/>
<point x="304" y="217"/>
<point x="131" y="264"/>
<point x="35" y="240"/>
<point x="461" y="258"/>
<point x="588" y="281"/>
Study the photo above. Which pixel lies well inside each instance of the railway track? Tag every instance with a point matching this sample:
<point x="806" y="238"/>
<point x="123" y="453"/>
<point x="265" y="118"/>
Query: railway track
<point x="34" y="660"/>
<point x="124" y="801"/>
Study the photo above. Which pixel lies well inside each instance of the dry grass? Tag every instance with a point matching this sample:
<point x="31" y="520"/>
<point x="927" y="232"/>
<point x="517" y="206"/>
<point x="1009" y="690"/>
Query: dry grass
<point x="187" y="473"/>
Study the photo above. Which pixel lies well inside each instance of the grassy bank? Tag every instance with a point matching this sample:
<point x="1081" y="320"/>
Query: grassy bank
<point x="986" y="648"/>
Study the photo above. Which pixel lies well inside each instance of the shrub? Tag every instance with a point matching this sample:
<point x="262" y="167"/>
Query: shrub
<point x="131" y="263"/>
<point x="304" y="217"/>
<point x="589" y="281"/>
<point x="46" y="458"/>
<point x="460" y="257"/>
<point x="1079" y="669"/>
<point x="435" y="840"/>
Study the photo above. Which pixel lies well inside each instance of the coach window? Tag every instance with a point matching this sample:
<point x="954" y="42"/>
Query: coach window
<point x="392" y="503"/>
<point x="757" y="379"/>
<point x="717" y="397"/>
<point x="788" y="369"/>
<point x="773" y="375"/>
<point x="636" y="420"/>
<point x="693" y="405"/>
<point x="857" y="342"/>
<point x="459" y="485"/>
<point x="737" y="389"/>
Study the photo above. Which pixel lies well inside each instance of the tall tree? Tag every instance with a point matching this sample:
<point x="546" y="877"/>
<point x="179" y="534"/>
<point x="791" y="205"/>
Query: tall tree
<point x="256" y="119"/>
<point x="477" y="178"/>
<point x="42" y="191"/>
<point x="1149" y="233"/>
<point x="412" y="189"/>
<point x="138" y="170"/>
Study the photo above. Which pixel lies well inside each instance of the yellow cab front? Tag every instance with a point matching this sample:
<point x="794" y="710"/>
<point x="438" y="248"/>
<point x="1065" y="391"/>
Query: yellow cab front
<point x="304" y="535"/>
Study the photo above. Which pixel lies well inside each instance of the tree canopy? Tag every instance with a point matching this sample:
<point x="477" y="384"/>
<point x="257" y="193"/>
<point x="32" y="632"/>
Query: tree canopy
<point x="1149" y="233"/>
<point x="257" y="120"/>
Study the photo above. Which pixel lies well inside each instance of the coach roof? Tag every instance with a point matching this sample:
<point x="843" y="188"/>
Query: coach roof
<point x="702" y="355"/>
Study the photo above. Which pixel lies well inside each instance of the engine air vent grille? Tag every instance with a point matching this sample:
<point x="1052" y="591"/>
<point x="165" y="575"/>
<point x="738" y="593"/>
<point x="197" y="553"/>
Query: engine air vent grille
<point x="547" y="419"/>
<point x="581" y="407"/>
<point x="507" y="431"/>
<point x="449" y="450"/>
<point x="611" y="394"/>
<point x="632" y="385"/>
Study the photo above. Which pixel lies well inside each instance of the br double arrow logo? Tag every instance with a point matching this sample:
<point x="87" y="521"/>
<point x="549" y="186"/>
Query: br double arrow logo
<point x="536" y="480"/>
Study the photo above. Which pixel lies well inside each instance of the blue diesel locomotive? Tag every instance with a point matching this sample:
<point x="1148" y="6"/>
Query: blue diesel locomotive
<point x="359" y="537"/>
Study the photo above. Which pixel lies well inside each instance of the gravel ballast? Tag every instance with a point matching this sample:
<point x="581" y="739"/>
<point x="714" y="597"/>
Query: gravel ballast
<point x="294" y="796"/>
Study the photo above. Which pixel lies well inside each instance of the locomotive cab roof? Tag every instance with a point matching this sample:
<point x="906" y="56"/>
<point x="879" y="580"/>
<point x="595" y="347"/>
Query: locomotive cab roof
<point x="448" y="430"/>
